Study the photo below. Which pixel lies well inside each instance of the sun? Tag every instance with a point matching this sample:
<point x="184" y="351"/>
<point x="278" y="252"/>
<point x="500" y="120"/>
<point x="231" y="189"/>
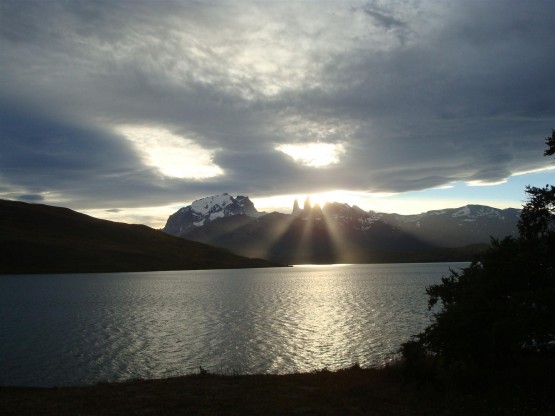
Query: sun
<point x="340" y="196"/>
<point x="323" y="198"/>
<point x="284" y="203"/>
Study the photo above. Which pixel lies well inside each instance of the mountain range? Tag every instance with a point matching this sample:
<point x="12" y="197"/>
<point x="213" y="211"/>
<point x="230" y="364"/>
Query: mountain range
<point x="340" y="233"/>
<point x="223" y="231"/>
<point x="36" y="238"/>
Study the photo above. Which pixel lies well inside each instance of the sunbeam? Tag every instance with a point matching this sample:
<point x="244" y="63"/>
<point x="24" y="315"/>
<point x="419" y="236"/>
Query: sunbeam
<point x="339" y="245"/>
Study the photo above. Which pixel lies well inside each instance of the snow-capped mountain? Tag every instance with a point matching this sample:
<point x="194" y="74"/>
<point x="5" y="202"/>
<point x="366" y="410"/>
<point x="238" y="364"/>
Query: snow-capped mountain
<point x="452" y="227"/>
<point x="458" y="226"/>
<point x="205" y="210"/>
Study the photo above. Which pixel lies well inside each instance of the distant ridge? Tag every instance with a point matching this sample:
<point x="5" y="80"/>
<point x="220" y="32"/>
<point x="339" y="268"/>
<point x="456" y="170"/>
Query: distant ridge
<point x="36" y="238"/>
<point x="454" y="227"/>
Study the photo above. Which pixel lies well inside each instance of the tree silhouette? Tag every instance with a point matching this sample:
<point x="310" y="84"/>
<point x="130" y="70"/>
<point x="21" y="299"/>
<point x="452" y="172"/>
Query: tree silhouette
<point x="550" y="142"/>
<point x="503" y="304"/>
<point x="538" y="215"/>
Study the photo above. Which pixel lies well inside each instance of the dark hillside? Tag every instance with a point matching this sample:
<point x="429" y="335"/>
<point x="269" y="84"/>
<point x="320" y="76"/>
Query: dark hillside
<point x="38" y="238"/>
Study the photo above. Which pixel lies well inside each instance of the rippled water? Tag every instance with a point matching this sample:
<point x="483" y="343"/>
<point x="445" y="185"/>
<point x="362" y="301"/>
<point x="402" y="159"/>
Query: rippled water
<point x="75" y="329"/>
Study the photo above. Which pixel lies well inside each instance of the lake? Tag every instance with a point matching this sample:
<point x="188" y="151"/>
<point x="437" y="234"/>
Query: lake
<point x="84" y="328"/>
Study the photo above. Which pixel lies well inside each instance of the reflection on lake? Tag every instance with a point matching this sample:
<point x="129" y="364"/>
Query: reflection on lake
<point x="75" y="329"/>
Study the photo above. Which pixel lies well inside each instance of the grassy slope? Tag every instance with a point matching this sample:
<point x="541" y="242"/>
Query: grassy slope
<point x="513" y="391"/>
<point x="38" y="238"/>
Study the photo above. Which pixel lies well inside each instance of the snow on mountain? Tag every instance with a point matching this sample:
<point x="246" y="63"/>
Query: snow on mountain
<point x="468" y="212"/>
<point x="446" y="227"/>
<point x="477" y="211"/>
<point x="458" y="226"/>
<point x="463" y="212"/>
<point x="350" y="215"/>
<point x="205" y="210"/>
<point x="206" y="205"/>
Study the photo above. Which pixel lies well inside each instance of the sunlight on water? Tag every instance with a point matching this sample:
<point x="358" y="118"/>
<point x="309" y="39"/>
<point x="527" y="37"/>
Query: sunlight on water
<point x="75" y="329"/>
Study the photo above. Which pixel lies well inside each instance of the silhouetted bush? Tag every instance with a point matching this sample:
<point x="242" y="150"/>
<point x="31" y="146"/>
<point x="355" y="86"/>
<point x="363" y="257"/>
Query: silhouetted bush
<point x="502" y="305"/>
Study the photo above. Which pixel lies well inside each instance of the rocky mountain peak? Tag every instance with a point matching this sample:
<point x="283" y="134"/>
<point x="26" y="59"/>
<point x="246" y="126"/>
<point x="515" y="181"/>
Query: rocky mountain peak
<point x="296" y="209"/>
<point x="308" y="210"/>
<point x="205" y="210"/>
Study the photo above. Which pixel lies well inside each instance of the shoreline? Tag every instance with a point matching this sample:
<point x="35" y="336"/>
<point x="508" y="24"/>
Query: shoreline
<point x="317" y="393"/>
<point x="520" y="390"/>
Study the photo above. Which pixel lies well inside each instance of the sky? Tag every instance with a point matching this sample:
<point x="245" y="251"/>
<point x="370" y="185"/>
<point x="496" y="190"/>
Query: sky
<point x="128" y="110"/>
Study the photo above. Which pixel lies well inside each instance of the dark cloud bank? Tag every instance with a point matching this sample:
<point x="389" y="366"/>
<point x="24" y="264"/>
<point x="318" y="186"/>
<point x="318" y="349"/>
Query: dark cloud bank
<point x="419" y="94"/>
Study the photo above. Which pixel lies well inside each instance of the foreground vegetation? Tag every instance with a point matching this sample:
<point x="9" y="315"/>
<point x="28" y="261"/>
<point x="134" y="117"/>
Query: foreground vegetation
<point x="503" y="305"/>
<point x="498" y="313"/>
<point x="522" y="389"/>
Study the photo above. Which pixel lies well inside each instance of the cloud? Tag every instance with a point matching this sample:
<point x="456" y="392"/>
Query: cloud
<point x="387" y="21"/>
<point x="415" y="94"/>
<point x="30" y="198"/>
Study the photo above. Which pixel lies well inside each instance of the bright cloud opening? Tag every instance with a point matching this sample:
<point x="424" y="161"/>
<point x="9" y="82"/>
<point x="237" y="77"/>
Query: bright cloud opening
<point x="482" y="183"/>
<point x="526" y="172"/>
<point x="316" y="155"/>
<point x="284" y="203"/>
<point x="174" y="156"/>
